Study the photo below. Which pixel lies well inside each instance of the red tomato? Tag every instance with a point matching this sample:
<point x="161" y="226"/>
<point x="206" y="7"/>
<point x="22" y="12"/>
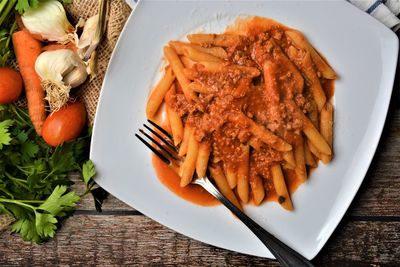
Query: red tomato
<point x="10" y="85"/>
<point x="65" y="124"/>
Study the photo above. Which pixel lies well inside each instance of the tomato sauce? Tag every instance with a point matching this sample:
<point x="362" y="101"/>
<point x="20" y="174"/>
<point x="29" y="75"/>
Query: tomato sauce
<point x="236" y="95"/>
<point x="193" y="193"/>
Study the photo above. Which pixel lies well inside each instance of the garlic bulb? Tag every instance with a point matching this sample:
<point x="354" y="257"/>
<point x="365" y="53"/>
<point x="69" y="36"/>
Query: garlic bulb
<point x="60" y="70"/>
<point x="49" y="21"/>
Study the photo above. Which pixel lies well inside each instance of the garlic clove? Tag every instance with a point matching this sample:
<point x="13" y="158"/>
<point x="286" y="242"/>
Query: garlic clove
<point x="49" y="21"/>
<point x="89" y="31"/>
<point x="76" y="77"/>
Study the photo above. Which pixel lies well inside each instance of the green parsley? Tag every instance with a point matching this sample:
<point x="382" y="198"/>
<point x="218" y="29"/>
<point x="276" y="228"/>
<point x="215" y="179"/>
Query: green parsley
<point x="34" y="184"/>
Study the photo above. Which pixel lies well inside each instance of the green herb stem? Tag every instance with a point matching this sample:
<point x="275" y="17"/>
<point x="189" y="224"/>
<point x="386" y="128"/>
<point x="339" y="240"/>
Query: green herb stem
<point x="6" y="9"/>
<point x="17" y="181"/>
<point x="18" y="202"/>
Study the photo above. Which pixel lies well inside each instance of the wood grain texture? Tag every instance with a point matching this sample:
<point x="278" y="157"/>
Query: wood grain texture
<point x="137" y="240"/>
<point x="379" y="194"/>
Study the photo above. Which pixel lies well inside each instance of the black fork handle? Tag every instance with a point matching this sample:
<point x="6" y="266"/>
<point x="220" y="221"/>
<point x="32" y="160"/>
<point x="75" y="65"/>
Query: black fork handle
<point x="284" y="254"/>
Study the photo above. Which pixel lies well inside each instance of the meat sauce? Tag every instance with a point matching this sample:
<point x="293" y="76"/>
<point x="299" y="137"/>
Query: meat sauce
<point x="214" y="116"/>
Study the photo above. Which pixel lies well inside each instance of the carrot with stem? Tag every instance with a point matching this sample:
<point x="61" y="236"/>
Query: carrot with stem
<point x="27" y="49"/>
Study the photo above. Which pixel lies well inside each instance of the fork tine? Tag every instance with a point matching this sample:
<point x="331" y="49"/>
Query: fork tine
<point x="171" y="146"/>
<point x="160" y="129"/>
<point x="158" y="153"/>
<point x="158" y="144"/>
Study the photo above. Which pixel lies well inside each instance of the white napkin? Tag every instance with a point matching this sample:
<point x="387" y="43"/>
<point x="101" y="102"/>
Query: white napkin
<point x="383" y="10"/>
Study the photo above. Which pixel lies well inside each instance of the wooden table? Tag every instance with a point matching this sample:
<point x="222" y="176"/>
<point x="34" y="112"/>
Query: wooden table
<point x="369" y="234"/>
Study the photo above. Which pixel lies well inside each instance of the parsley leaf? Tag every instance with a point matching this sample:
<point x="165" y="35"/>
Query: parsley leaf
<point x="88" y="171"/>
<point x="5" y="137"/>
<point x="58" y="202"/>
<point x="29" y="150"/>
<point x="27" y="229"/>
<point x="45" y="225"/>
<point x="23" y="5"/>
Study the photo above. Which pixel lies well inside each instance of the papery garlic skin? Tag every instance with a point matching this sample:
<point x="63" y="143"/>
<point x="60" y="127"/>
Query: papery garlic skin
<point x="49" y="21"/>
<point x="88" y="33"/>
<point x="60" y="70"/>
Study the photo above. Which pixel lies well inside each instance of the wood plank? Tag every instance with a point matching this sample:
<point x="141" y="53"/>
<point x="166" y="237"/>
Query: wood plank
<point x="110" y="204"/>
<point x="380" y="191"/>
<point x="137" y="240"/>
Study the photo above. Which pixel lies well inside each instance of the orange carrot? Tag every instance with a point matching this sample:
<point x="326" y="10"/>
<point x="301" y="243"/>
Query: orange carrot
<point x="27" y="49"/>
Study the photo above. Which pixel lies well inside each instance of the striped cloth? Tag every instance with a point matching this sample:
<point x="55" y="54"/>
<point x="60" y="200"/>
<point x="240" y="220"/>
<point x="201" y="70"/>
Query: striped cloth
<point x="385" y="11"/>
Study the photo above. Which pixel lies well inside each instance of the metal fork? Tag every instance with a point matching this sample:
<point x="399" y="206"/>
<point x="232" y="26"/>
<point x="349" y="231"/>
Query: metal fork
<point x="167" y="152"/>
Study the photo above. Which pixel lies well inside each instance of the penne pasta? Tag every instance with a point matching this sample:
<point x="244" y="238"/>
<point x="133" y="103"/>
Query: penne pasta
<point x="177" y="46"/>
<point x="177" y="68"/>
<point x="310" y="161"/>
<point x="231" y="175"/>
<point x="223" y="186"/>
<point x="199" y="88"/>
<point x="289" y="159"/>
<point x="271" y="85"/>
<point x="202" y="159"/>
<point x="300" y="168"/>
<point x="264" y="134"/>
<point x="199" y="56"/>
<point x="257" y="189"/>
<point x="255" y="143"/>
<point x="314" y="150"/>
<point x="190" y="74"/>
<point x="187" y="132"/>
<point x="313" y="116"/>
<point x="223" y="67"/>
<point x="288" y="67"/>
<point x="316" y="138"/>
<point x="312" y="133"/>
<point x="304" y="63"/>
<point x="187" y="62"/>
<point x="280" y="187"/>
<point x="243" y="175"/>
<point x="215" y="51"/>
<point x="224" y="40"/>
<point x="158" y="93"/>
<point x="189" y="164"/>
<point x="326" y="128"/>
<point x="301" y="42"/>
<point x="174" y="118"/>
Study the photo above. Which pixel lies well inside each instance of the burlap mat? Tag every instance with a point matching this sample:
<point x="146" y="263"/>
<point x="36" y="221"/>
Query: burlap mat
<point x="89" y="92"/>
<point x="118" y="14"/>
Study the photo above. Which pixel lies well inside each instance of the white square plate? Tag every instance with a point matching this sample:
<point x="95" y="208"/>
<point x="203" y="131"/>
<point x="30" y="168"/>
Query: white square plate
<point x="360" y="49"/>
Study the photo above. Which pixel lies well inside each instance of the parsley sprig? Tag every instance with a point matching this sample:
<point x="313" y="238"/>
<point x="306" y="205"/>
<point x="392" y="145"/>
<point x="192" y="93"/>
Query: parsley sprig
<point x="34" y="183"/>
